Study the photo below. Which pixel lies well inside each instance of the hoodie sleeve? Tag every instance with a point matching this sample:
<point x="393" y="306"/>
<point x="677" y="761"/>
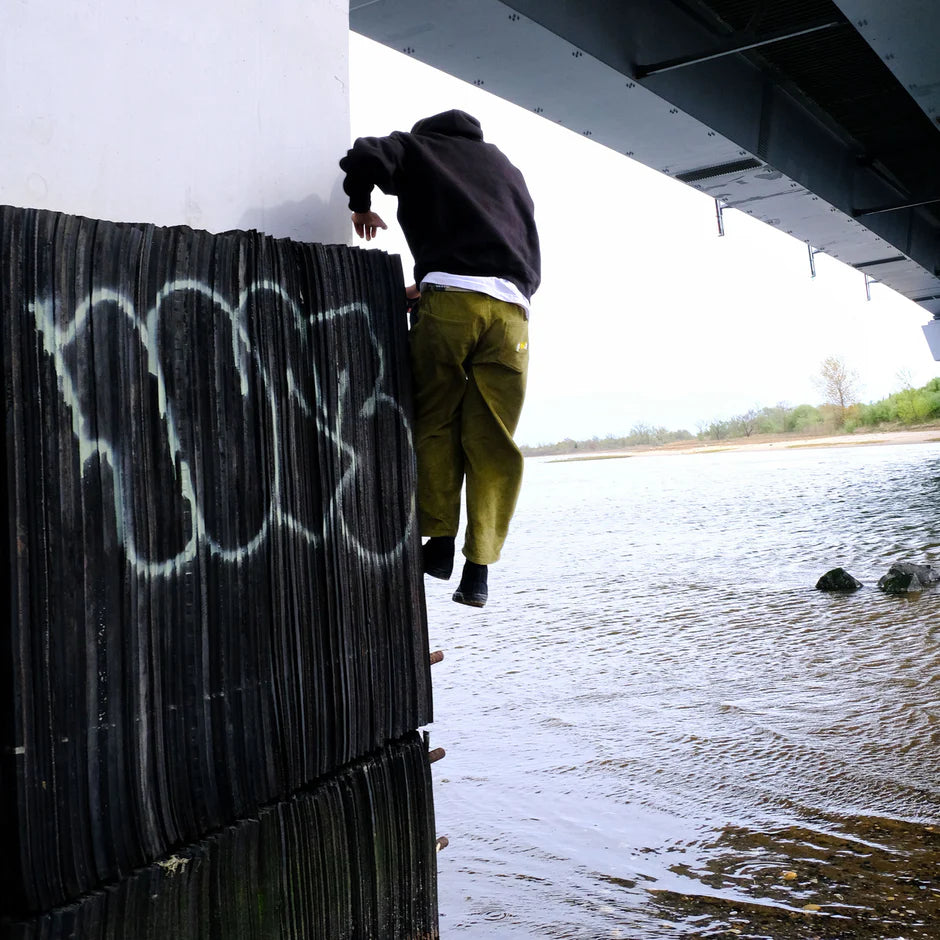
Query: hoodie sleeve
<point x="372" y="161"/>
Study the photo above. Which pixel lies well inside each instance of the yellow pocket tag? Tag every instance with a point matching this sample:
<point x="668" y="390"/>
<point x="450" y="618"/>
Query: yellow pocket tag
<point x="521" y="347"/>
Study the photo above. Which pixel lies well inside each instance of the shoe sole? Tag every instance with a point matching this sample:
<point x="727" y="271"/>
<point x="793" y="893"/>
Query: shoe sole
<point x="471" y="600"/>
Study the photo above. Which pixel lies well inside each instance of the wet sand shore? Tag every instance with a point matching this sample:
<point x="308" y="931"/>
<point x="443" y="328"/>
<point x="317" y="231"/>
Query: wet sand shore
<point x="764" y="442"/>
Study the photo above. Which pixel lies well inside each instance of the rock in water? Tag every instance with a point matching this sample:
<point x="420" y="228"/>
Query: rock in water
<point x="903" y="577"/>
<point x="838" y="579"/>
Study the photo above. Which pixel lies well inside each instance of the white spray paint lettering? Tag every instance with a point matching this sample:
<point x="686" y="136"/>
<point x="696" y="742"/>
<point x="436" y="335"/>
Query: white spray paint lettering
<point x="57" y="339"/>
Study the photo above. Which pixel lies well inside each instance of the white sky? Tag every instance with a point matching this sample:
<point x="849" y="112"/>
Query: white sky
<point x="644" y="313"/>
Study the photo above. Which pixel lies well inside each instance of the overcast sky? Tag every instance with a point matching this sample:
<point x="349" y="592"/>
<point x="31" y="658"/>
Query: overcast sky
<point x="644" y="313"/>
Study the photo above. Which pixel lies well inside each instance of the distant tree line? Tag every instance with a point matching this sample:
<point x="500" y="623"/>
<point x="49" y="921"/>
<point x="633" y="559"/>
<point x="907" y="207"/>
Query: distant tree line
<point x="641" y="435"/>
<point x="840" y="413"/>
<point x="908" y="406"/>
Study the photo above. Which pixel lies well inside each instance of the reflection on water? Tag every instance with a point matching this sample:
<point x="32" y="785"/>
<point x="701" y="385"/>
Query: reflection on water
<point x="658" y="728"/>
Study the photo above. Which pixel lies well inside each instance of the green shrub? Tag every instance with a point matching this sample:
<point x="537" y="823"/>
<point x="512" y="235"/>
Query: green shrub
<point x="803" y="418"/>
<point x="878" y="412"/>
<point x="913" y="407"/>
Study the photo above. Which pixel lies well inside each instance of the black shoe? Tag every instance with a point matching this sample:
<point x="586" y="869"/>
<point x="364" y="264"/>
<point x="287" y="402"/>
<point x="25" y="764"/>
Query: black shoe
<point x="472" y="588"/>
<point x="437" y="556"/>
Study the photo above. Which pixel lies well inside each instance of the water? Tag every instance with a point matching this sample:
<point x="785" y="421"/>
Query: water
<point x="658" y="728"/>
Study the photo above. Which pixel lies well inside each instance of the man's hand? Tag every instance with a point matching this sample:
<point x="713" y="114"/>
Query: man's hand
<point x="367" y="224"/>
<point x="412" y="292"/>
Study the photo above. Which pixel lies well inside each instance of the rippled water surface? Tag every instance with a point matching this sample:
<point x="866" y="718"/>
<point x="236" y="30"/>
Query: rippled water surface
<point x="658" y="728"/>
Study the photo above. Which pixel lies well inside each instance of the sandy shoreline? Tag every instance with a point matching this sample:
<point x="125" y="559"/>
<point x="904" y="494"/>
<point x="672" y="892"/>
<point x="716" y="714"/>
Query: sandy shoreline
<point x="764" y="442"/>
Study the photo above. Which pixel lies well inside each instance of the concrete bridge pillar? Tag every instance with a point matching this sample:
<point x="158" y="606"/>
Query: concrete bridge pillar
<point x="197" y="112"/>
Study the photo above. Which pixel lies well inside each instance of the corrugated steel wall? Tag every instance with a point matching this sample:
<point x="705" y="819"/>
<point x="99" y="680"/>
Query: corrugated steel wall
<point x="213" y="589"/>
<point x="347" y="859"/>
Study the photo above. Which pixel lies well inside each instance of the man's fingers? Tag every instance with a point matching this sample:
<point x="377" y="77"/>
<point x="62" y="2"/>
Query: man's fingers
<point x="367" y="224"/>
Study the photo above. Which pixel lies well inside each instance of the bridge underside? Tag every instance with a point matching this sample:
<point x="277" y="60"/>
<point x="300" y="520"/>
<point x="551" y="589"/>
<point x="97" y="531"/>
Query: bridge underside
<point x="819" y="117"/>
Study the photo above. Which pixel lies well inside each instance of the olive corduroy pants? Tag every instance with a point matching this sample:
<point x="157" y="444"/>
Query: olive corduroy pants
<point x="469" y="359"/>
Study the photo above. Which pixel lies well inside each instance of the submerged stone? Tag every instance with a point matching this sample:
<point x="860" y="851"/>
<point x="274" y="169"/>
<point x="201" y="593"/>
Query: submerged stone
<point x="903" y="577"/>
<point x="838" y="579"/>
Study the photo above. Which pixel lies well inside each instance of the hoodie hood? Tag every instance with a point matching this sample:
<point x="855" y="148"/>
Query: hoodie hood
<point x="453" y="123"/>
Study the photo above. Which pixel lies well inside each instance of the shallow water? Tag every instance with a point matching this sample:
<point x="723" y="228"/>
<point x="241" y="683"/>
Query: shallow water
<point x="658" y="728"/>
